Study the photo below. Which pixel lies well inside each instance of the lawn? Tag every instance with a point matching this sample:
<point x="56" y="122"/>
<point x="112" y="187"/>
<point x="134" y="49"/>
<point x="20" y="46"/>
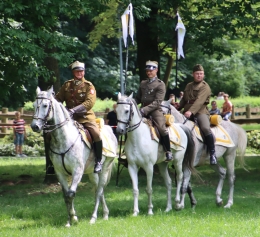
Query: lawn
<point x="31" y="208"/>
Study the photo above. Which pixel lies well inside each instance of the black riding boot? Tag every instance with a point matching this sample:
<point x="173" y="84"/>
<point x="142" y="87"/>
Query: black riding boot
<point x="211" y="147"/>
<point x="167" y="146"/>
<point x="98" y="152"/>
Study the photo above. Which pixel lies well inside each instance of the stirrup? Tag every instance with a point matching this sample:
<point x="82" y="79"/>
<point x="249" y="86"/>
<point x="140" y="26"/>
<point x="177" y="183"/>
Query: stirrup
<point x="213" y="159"/>
<point x="123" y="162"/>
<point x="98" y="167"/>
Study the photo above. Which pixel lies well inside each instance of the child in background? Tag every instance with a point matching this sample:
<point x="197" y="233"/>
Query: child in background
<point x="19" y="134"/>
<point x="227" y="108"/>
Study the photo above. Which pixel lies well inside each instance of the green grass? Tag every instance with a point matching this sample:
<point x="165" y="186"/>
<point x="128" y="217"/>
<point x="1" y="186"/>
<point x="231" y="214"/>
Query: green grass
<point x="250" y="127"/>
<point x="31" y="208"/>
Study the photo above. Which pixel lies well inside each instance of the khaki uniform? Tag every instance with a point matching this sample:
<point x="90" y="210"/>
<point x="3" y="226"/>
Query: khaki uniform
<point x="150" y="94"/>
<point x="195" y="99"/>
<point x="83" y="92"/>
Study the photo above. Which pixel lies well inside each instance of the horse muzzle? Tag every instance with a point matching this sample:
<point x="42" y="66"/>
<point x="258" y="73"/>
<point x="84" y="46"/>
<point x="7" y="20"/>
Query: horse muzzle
<point x="121" y="131"/>
<point x="36" y="127"/>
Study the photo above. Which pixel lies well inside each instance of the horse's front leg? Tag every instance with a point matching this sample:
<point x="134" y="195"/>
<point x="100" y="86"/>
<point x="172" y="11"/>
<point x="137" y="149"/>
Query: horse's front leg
<point x="163" y="168"/>
<point x="222" y="175"/>
<point x="133" y="170"/>
<point x="149" y="190"/>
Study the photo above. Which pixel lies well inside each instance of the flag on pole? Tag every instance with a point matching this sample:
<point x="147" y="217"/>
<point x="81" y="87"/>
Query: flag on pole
<point x="128" y="21"/>
<point x="181" y="33"/>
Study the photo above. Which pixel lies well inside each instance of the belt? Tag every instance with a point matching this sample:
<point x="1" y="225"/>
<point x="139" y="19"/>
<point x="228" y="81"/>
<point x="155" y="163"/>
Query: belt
<point x="191" y="102"/>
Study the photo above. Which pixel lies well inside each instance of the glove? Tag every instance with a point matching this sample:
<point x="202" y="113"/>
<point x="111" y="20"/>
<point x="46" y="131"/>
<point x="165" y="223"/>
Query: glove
<point x="142" y="112"/>
<point x="71" y="112"/>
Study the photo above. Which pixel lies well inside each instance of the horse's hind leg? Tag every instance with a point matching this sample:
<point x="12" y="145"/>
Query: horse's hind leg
<point x="222" y="175"/>
<point x="163" y="168"/>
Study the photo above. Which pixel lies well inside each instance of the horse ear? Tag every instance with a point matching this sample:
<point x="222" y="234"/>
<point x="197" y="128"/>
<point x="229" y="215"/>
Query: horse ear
<point x="131" y="96"/>
<point x="119" y="95"/>
<point x="50" y="91"/>
<point x="38" y="90"/>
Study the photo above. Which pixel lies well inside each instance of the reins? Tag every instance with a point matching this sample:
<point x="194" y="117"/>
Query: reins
<point x="128" y="127"/>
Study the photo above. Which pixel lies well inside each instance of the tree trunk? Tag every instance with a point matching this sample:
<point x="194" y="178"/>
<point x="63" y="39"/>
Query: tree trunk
<point x="147" y="43"/>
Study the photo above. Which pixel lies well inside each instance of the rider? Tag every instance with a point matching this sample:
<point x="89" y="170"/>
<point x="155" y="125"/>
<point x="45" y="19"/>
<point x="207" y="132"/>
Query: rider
<point x="195" y="99"/>
<point x="80" y="96"/>
<point x="150" y="94"/>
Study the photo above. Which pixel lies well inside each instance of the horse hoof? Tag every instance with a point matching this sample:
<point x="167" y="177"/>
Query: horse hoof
<point x="219" y="204"/>
<point x="168" y="209"/>
<point x="105" y="218"/>
<point x="228" y="205"/>
<point x="135" y="214"/>
<point x="92" y="221"/>
<point x="67" y="225"/>
<point x="179" y="207"/>
<point x="150" y="213"/>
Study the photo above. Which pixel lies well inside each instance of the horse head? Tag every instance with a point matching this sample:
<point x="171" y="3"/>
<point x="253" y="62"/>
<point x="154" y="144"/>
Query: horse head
<point x="126" y="114"/>
<point x="167" y="108"/>
<point x="42" y="109"/>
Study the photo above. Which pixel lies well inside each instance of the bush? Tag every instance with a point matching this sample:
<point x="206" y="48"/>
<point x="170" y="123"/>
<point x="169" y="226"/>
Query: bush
<point x="253" y="139"/>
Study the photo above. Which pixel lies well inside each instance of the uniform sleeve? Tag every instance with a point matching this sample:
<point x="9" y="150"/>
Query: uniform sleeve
<point x="60" y="95"/>
<point x="202" y="97"/>
<point x="183" y="101"/>
<point x="90" y="97"/>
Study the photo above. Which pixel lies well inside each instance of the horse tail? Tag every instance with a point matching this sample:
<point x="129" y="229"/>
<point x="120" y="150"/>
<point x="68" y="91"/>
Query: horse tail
<point x="241" y="146"/>
<point x="189" y="154"/>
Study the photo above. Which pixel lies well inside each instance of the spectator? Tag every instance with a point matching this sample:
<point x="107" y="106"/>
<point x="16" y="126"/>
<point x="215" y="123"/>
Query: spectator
<point x="19" y="134"/>
<point x="214" y="108"/>
<point x="111" y="120"/>
<point x="227" y="108"/>
<point x="181" y="95"/>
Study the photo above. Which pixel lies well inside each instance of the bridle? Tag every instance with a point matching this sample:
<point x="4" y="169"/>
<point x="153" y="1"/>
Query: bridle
<point x="131" y="114"/>
<point x="50" y="128"/>
<point x="46" y="127"/>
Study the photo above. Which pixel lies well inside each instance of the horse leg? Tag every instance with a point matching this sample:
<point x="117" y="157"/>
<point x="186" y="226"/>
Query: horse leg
<point x="184" y="188"/>
<point x="163" y="168"/>
<point x="149" y="190"/>
<point x="179" y="175"/>
<point x="230" y="164"/>
<point x="222" y="175"/>
<point x="132" y="169"/>
<point x="193" y="200"/>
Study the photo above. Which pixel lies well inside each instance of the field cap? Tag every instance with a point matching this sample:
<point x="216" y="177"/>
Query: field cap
<point x="78" y="66"/>
<point x="198" y="67"/>
<point x="151" y="65"/>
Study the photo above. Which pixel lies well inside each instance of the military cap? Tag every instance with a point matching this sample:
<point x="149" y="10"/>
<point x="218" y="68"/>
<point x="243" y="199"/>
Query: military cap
<point x="78" y="66"/>
<point x="151" y="65"/>
<point x="198" y="67"/>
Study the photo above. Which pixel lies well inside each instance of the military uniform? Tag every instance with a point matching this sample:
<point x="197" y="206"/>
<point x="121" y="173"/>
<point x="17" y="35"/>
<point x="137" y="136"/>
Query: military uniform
<point x="195" y="99"/>
<point x="82" y="92"/>
<point x="80" y="96"/>
<point x="150" y="94"/>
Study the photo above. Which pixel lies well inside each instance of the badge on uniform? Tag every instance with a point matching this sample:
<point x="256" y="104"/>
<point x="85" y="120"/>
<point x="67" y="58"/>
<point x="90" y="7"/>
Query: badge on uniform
<point x="92" y="91"/>
<point x="79" y="91"/>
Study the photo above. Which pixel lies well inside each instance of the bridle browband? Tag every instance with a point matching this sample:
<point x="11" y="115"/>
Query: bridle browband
<point x="127" y="123"/>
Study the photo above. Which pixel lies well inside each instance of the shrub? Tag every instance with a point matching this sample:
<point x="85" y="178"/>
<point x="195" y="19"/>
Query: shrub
<point x="253" y="139"/>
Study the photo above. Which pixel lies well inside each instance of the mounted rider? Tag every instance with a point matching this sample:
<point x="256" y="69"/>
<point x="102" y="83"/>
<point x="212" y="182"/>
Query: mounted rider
<point x="80" y="97"/>
<point x="150" y="94"/>
<point x="195" y="100"/>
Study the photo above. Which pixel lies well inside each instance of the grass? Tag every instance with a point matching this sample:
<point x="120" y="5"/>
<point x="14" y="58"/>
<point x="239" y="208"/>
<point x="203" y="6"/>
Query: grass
<point x="31" y="208"/>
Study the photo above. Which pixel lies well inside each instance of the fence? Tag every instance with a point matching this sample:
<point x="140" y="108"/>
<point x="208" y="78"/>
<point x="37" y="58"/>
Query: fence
<point x="242" y="115"/>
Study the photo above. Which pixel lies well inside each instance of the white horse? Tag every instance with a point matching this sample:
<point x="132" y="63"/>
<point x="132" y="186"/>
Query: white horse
<point x="199" y="151"/>
<point x="142" y="151"/>
<point x="69" y="153"/>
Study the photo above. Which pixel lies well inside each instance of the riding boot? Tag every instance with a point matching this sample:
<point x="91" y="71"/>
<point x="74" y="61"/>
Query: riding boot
<point x="211" y="148"/>
<point x="167" y="146"/>
<point x="98" y="152"/>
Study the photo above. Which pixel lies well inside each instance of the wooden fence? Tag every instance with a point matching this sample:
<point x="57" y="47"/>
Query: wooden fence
<point x="243" y="115"/>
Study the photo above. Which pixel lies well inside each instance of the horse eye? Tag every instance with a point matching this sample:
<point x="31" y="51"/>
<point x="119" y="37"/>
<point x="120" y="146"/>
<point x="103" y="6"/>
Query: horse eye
<point x="45" y="106"/>
<point x="126" y="111"/>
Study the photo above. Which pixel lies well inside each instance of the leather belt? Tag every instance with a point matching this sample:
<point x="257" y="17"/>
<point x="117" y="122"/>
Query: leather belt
<point x="191" y="102"/>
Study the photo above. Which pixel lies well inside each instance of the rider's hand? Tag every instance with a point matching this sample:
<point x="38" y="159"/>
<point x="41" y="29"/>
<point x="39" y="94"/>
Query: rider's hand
<point x="71" y="112"/>
<point x="142" y="112"/>
<point x="187" y="114"/>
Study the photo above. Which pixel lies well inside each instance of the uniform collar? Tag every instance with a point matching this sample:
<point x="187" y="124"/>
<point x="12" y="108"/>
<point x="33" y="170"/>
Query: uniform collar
<point x="150" y="80"/>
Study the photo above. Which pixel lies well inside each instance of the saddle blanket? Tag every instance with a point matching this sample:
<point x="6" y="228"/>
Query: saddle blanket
<point x="108" y="149"/>
<point x="174" y="135"/>
<point x="221" y="135"/>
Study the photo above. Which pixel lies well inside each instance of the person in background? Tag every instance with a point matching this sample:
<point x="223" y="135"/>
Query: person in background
<point x="19" y="134"/>
<point x="220" y="96"/>
<point x="80" y="97"/>
<point x="111" y="120"/>
<point x="227" y="108"/>
<point x="194" y="102"/>
<point x="214" y="108"/>
<point x="150" y="94"/>
<point x="181" y="95"/>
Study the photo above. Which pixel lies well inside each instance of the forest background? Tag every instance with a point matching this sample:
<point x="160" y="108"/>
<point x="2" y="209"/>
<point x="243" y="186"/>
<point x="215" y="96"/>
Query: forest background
<point x="39" y="39"/>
